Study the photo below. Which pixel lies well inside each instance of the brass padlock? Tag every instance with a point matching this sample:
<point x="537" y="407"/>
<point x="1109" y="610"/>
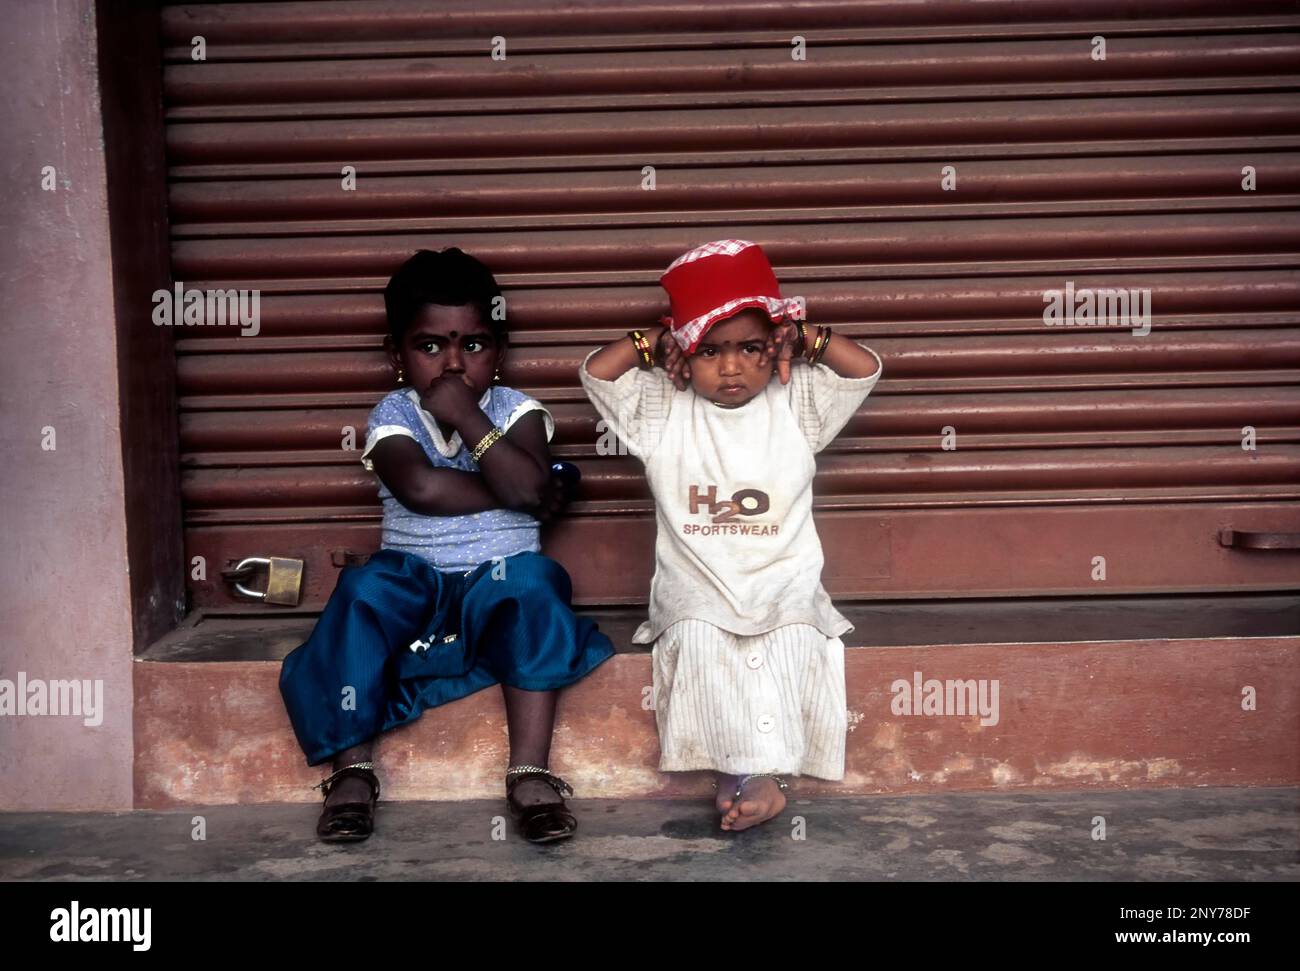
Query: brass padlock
<point x="283" y="579"/>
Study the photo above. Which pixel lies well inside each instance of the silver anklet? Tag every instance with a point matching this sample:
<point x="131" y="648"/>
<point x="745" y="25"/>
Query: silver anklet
<point x="781" y="783"/>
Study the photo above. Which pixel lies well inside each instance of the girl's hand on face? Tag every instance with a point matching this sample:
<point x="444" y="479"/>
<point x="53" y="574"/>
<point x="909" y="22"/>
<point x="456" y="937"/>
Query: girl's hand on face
<point x="674" y="361"/>
<point x="780" y="348"/>
<point x="448" y="398"/>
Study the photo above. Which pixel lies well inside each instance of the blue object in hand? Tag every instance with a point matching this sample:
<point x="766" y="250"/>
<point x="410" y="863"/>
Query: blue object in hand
<point x="567" y="471"/>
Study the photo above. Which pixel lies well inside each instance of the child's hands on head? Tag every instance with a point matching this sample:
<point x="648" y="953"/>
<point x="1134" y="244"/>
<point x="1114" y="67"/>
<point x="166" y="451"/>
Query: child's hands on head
<point x="673" y="360"/>
<point x="732" y="361"/>
<point x="705" y="285"/>
<point x="781" y="342"/>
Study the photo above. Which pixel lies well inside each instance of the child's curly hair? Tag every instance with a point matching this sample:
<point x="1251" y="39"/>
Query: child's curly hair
<point x="449" y="278"/>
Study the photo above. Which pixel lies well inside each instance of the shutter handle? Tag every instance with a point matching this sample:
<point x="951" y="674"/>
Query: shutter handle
<point x="1245" y="540"/>
<point x="348" y="558"/>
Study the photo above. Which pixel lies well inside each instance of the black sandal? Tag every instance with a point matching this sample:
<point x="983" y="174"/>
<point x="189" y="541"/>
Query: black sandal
<point x="348" y="822"/>
<point x="545" y="822"/>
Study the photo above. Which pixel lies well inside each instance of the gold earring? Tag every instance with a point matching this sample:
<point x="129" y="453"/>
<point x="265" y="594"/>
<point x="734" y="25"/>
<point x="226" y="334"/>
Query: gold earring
<point x="401" y="375"/>
<point x="497" y="377"/>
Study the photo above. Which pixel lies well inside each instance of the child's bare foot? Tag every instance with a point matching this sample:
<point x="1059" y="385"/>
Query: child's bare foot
<point x="726" y="786"/>
<point x="760" y="800"/>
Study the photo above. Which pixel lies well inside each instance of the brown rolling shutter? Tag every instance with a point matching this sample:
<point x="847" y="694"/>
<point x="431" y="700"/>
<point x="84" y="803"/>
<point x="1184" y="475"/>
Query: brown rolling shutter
<point x="1072" y="443"/>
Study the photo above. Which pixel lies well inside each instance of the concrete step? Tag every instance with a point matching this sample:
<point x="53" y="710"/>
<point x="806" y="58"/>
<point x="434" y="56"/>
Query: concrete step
<point x="1107" y="713"/>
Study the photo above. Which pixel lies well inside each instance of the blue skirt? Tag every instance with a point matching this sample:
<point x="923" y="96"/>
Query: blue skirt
<point x="398" y="636"/>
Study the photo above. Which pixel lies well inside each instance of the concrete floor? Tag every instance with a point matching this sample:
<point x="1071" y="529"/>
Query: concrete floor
<point x="1153" y="834"/>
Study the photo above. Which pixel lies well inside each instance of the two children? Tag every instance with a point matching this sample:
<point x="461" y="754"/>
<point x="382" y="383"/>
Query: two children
<point x="748" y="664"/>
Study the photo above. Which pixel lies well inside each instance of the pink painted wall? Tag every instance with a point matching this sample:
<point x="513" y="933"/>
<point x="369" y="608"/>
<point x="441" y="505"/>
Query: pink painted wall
<point x="64" y="607"/>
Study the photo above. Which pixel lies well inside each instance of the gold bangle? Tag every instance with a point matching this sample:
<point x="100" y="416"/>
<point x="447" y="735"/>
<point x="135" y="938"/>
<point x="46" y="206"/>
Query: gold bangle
<point x="820" y="344"/>
<point x="642" y="345"/>
<point x="486" y="442"/>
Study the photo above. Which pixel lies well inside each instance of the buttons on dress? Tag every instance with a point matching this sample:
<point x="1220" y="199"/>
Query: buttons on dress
<point x="755" y="660"/>
<point x="766" y="723"/>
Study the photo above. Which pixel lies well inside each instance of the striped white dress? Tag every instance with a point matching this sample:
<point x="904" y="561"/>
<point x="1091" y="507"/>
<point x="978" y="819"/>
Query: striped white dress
<point x="772" y="702"/>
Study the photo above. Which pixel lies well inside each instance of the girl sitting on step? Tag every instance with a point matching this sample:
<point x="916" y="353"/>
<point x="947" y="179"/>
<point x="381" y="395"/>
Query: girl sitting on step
<point x="459" y="596"/>
<point x="747" y="661"/>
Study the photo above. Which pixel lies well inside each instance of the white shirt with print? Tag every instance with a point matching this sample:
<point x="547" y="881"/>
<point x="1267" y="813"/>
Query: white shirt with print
<point x="736" y="545"/>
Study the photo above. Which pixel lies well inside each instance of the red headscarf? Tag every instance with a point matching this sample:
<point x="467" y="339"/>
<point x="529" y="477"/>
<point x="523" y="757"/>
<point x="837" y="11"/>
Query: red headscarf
<point x="716" y="280"/>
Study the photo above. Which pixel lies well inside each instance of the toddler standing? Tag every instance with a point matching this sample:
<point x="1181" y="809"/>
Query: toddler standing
<point x="726" y="405"/>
